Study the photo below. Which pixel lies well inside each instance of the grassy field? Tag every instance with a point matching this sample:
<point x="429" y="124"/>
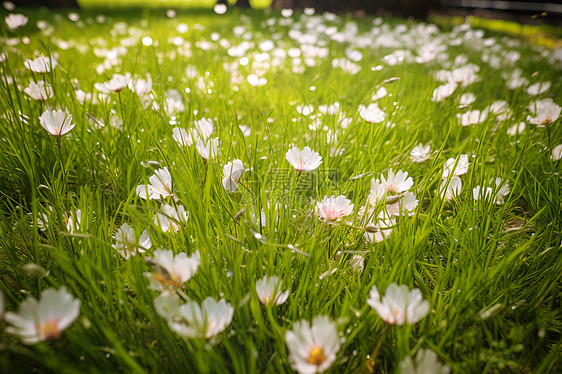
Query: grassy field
<point x="181" y="4"/>
<point x="474" y="226"/>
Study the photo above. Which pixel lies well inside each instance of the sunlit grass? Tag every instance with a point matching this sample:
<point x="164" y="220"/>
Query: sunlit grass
<point x="490" y="271"/>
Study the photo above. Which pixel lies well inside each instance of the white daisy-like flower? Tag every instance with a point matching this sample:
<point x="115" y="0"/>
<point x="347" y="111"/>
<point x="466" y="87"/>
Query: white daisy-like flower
<point x="202" y="321"/>
<point x="332" y="209"/>
<point x="538" y="88"/>
<point x="269" y="290"/>
<point x="313" y="348"/>
<point x="56" y="122"/>
<point x="399" y="305"/>
<point x="116" y="84"/>
<point x="127" y="244"/>
<point x="426" y="362"/>
<point x="232" y="172"/>
<point x="305" y="160"/>
<point x="376" y="193"/>
<point x="357" y="263"/>
<point x="472" y="117"/>
<point x="502" y="190"/>
<point x="482" y="192"/>
<point x="39" y="91"/>
<point x="171" y="218"/>
<point x="160" y="186"/>
<point x="372" y="113"/>
<point x="420" y="153"/>
<point x="185" y="138"/>
<point x="376" y="233"/>
<point x="516" y="129"/>
<point x="405" y="205"/>
<point x="141" y="86"/>
<point x="16" y="21"/>
<point x="204" y="128"/>
<point x="208" y="149"/>
<point x="171" y="271"/>
<point x="73" y="221"/>
<point x="452" y="189"/>
<point x="443" y="91"/>
<point x="545" y="112"/>
<point x="41" y="64"/>
<point x="46" y="319"/>
<point x="556" y="153"/>
<point x="455" y="166"/>
<point x="397" y="183"/>
<point x="466" y="99"/>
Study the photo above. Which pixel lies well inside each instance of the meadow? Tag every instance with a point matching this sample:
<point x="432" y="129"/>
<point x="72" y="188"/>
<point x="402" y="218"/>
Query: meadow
<point x="253" y="191"/>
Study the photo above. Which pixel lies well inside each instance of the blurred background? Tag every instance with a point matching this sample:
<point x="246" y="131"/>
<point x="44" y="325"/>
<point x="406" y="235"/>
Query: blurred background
<point x="527" y="11"/>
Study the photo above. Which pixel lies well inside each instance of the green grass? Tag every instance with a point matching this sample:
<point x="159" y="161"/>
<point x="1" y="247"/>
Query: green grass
<point x="181" y="4"/>
<point x="490" y="272"/>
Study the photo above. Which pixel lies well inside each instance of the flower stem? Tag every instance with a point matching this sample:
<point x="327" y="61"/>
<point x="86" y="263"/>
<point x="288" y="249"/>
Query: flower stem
<point x="371" y="362"/>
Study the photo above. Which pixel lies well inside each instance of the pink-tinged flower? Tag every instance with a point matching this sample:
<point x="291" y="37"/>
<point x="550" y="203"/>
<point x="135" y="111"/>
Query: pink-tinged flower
<point x="232" y="172"/>
<point x="16" y="21"/>
<point x="39" y="91"/>
<point x="269" y="290"/>
<point x="305" y="160"/>
<point x="313" y="348"/>
<point x="397" y="183"/>
<point x="455" y="166"/>
<point x="420" y="153"/>
<point x="372" y="113"/>
<point x="41" y="64"/>
<point x="160" y="186"/>
<point x="399" y="305"/>
<point x="127" y="244"/>
<point x="171" y="271"/>
<point x="56" y="122"/>
<point x="332" y="209"/>
<point x="45" y="319"/>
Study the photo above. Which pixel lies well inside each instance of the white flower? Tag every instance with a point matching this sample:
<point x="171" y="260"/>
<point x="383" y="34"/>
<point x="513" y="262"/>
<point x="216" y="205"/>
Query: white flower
<point x="472" y="117"/>
<point x="426" y="362"/>
<point x="16" y="21"/>
<point x="482" y="192"/>
<point x="305" y="160"/>
<point x="452" y="189"/>
<point x="332" y="209"/>
<point x="116" y="84"/>
<point x="141" y="86"/>
<point x="467" y="99"/>
<point x="443" y="91"/>
<point x="45" y="319"/>
<point x="556" y="153"/>
<point x="397" y="183"/>
<point x="232" y="172"/>
<point x="183" y="137"/>
<point x="313" y="348"/>
<point x="372" y="113"/>
<point x="56" y="122"/>
<point x="357" y="263"/>
<point x="420" y="153"/>
<point x="399" y="305"/>
<point x="545" y="112"/>
<point x="208" y="149"/>
<point x="160" y="186"/>
<point x="516" y="129"/>
<point x="501" y="109"/>
<point x="246" y="130"/>
<point x="171" y="218"/>
<point x="204" y="128"/>
<point x="126" y="243"/>
<point x="269" y="290"/>
<point x="502" y="191"/>
<point x="538" y="88"/>
<point x="73" y="221"/>
<point x="405" y="205"/>
<point x="455" y="166"/>
<point x="171" y="271"/>
<point x="205" y="321"/>
<point x="380" y="231"/>
<point x="376" y="193"/>
<point x="39" y="91"/>
<point x="41" y="64"/>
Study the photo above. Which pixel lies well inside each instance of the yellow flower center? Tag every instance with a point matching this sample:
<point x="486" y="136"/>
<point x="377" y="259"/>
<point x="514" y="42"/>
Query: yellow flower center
<point x="49" y="330"/>
<point x="316" y="356"/>
<point x="393" y="188"/>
